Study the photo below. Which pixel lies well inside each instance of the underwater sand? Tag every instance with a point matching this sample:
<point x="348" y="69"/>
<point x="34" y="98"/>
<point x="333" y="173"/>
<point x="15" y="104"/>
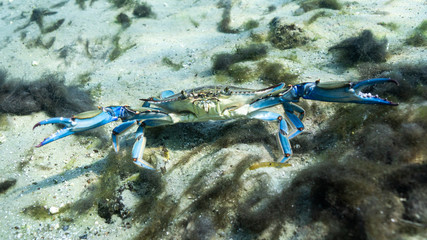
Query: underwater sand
<point x="340" y="184"/>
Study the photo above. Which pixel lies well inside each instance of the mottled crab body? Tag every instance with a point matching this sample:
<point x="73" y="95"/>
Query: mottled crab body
<point x="212" y="103"/>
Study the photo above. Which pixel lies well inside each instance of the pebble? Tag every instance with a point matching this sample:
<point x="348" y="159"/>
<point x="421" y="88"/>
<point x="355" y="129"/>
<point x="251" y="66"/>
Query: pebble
<point x="53" y="210"/>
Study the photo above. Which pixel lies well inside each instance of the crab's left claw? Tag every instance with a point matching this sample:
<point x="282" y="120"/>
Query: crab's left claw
<point x="79" y="123"/>
<point x="347" y="92"/>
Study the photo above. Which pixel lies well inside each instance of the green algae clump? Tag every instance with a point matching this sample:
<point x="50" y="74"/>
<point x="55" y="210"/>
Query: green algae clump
<point x="285" y="36"/>
<point x="418" y="37"/>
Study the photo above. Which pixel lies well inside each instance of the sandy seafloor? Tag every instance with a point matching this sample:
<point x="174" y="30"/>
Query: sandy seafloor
<point x="78" y="188"/>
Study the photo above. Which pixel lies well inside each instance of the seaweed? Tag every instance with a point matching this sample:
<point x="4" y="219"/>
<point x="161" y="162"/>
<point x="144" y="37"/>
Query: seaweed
<point x="82" y="3"/>
<point x="122" y="3"/>
<point x="363" y="48"/>
<point x="224" y="24"/>
<point x="143" y="10"/>
<point x="251" y="24"/>
<point x="275" y="73"/>
<point x="257" y="37"/>
<point x="6" y="184"/>
<point x="310" y="5"/>
<point x="60" y="4"/>
<point x="271" y="8"/>
<point x="123" y="20"/>
<point x="284" y="36"/>
<point x="54" y="26"/>
<point x="38" y="14"/>
<point x="63" y="52"/>
<point x="345" y="198"/>
<point x="38" y="42"/>
<point x="240" y="73"/>
<point x="390" y="25"/>
<point x="214" y="202"/>
<point x="84" y="79"/>
<point x="253" y="52"/>
<point x="175" y="66"/>
<point x="118" y="50"/>
<point x="418" y="37"/>
<point x="48" y="94"/>
<point x="41" y="212"/>
<point x="318" y="15"/>
<point x="410" y="183"/>
<point x="37" y="211"/>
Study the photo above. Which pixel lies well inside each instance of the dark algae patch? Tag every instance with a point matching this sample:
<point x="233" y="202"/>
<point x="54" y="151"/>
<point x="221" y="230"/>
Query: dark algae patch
<point x="6" y="184"/>
<point x="224" y="24"/>
<point x="123" y="3"/>
<point x="123" y="20"/>
<point x="48" y="94"/>
<point x="252" y="52"/>
<point x="363" y="48"/>
<point x="337" y="200"/>
<point x="418" y="37"/>
<point x="318" y="15"/>
<point x="143" y="10"/>
<point x="37" y="16"/>
<point x="309" y="5"/>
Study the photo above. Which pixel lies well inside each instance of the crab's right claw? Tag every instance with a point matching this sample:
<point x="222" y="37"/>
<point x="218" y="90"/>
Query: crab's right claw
<point x="78" y="123"/>
<point x="345" y="92"/>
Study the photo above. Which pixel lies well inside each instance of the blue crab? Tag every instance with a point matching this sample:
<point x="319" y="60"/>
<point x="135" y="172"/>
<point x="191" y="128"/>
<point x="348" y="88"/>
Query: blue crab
<point x="218" y="103"/>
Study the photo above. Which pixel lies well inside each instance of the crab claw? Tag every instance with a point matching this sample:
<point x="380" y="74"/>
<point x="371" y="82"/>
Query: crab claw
<point x="79" y="123"/>
<point x="347" y="92"/>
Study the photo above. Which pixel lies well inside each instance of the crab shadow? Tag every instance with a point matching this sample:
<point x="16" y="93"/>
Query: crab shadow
<point x="67" y="175"/>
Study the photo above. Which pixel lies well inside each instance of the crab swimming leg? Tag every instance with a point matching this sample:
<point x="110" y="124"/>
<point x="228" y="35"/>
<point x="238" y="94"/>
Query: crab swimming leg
<point x="283" y="133"/>
<point x="290" y="111"/>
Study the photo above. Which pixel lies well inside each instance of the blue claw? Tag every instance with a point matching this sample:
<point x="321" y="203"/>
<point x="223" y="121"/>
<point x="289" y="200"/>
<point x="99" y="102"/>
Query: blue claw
<point x="347" y="92"/>
<point x="79" y="123"/>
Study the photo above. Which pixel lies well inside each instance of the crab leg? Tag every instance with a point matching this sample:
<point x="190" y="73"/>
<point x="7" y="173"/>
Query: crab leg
<point x="283" y="133"/>
<point x="138" y="148"/>
<point x="290" y="110"/>
<point x="117" y="131"/>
